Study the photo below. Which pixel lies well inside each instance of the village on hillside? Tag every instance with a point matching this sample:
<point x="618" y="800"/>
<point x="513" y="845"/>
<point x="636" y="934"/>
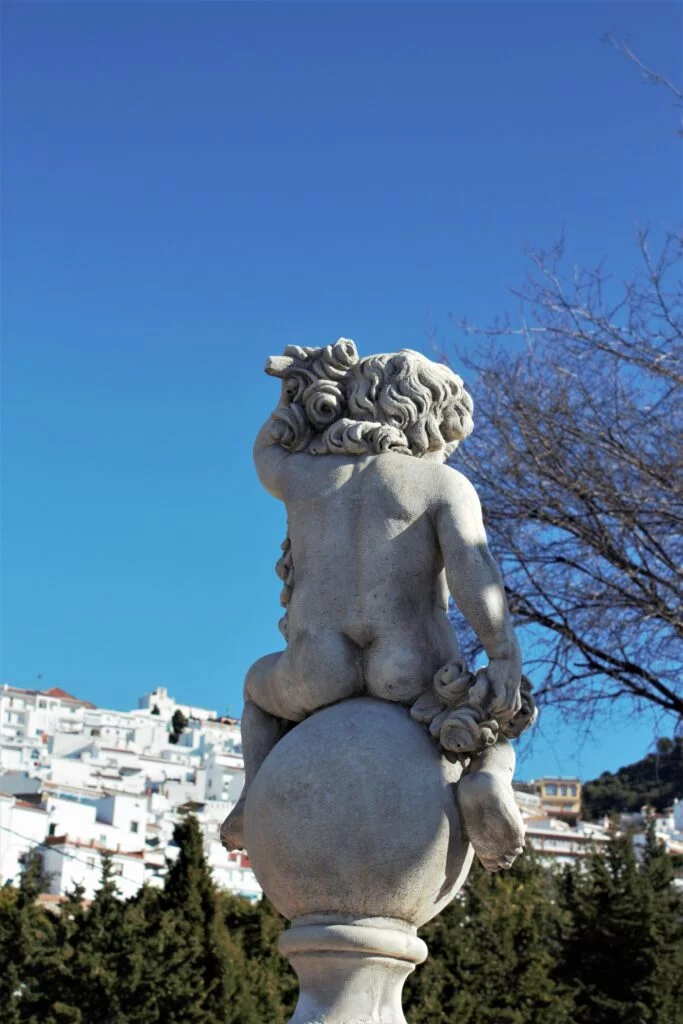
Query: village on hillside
<point x="79" y="783"/>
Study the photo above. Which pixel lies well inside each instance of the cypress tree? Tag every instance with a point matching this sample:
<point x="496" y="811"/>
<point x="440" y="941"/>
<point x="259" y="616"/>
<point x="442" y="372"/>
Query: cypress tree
<point x="662" y="988"/>
<point x="65" y="984"/>
<point x="154" y="946"/>
<point x="439" y="988"/>
<point x="494" y="954"/>
<point x="271" y="980"/>
<point x="28" y="952"/>
<point x="12" y="955"/>
<point x="206" y="981"/>
<point x="623" y="938"/>
<point x="95" y="953"/>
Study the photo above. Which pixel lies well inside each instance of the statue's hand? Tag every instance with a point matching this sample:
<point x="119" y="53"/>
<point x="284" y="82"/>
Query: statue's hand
<point x="491" y="701"/>
<point x="498" y="689"/>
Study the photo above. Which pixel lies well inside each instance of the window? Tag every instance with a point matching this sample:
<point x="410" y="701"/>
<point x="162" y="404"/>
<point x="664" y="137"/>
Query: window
<point x="52" y="829"/>
<point x="551" y="789"/>
<point x="90" y="862"/>
<point x="94" y="732"/>
<point x="563" y="790"/>
<point x="118" y="869"/>
<point x="42" y="704"/>
<point x="133" y="826"/>
<point x="572" y="790"/>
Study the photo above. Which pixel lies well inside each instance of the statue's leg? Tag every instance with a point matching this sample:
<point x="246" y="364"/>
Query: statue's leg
<point x="262" y="726"/>
<point x="260" y="733"/>
<point x="492" y="819"/>
<point x="284" y="688"/>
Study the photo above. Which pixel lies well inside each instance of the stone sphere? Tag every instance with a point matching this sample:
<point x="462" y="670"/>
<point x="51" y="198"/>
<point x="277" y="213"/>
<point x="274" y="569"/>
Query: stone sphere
<point x="354" y="813"/>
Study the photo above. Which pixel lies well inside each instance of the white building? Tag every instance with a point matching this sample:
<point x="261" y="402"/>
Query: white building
<point x="77" y="780"/>
<point x="69" y="862"/>
<point x="557" y="842"/>
<point x="166" y="706"/>
<point x="234" y="873"/>
<point x="668" y="830"/>
<point x="29" y="717"/>
<point x="23" y="827"/>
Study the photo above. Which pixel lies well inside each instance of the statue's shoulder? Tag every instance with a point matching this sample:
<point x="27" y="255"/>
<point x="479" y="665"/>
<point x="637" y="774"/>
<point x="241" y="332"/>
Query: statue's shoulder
<point x="453" y="486"/>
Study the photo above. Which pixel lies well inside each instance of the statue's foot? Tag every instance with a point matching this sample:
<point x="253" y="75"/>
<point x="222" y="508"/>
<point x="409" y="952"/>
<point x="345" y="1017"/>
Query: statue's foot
<point x="503" y="863"/>
<point x="491" y="817"/>
<point x="232" y="829"/>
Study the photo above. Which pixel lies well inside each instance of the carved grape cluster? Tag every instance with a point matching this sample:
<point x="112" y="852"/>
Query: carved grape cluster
<point x="466" y="715"/>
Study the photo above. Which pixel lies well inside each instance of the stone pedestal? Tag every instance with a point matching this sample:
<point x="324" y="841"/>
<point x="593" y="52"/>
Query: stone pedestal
<point x="354" y="834"/>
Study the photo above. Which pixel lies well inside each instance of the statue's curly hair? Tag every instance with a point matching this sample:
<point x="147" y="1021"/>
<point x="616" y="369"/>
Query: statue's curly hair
<point x="338" y="404"/>
<point x="424" y="401"/>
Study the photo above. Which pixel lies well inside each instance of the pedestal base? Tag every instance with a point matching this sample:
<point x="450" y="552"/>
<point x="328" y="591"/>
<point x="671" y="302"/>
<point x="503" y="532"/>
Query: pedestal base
<point x="354" y="833"/>
<point x="351" y="971"/>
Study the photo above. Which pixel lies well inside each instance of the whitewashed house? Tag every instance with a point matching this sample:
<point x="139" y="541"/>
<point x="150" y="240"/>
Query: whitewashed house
<point x="77" y="781"/>
<point x="23" y="828"/>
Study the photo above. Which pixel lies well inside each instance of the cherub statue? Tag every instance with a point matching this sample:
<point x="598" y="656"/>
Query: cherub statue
<point x="380" y="530"/>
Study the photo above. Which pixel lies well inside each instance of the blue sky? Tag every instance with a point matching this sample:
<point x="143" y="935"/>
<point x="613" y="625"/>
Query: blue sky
<point x="190" y="186"/>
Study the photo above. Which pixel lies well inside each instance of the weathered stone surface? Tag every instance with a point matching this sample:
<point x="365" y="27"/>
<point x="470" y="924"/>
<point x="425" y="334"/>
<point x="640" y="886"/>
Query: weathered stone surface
<point x="354" y="812"/>
<point x="358" y="847"/>
<point x="356" y="816"/>
<point x="380" y="530"/>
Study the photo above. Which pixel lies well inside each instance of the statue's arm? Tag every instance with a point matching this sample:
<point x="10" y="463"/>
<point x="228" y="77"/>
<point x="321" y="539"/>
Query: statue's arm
<point x="270" y="459"/>
<point x="475" y="582"/>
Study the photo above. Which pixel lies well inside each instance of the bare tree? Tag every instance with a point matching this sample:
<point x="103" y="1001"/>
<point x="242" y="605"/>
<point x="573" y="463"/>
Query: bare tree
<point x="577" y="457"/>
<point x="648" y="75"/>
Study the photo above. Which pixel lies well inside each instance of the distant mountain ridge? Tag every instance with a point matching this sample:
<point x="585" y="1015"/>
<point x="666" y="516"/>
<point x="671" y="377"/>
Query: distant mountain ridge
<point x="655" y="780"/>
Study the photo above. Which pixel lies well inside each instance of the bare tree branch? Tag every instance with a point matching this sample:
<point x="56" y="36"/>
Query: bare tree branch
<point x="578" y="457"/>
<point x="650" y="76"/>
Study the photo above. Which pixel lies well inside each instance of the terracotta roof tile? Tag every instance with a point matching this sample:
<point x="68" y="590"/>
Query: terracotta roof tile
<point x="66" y="841"/>
<point x="28" y="806"/>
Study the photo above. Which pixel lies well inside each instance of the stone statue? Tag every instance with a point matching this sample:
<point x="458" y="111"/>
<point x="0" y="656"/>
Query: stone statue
<point x="380" y="530"/>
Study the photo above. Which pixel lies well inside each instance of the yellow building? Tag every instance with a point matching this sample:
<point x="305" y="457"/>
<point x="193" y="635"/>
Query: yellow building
<point x="560" y="797"/>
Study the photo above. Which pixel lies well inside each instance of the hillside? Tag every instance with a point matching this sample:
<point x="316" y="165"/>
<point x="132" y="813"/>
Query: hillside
<point x="655" y="780"/>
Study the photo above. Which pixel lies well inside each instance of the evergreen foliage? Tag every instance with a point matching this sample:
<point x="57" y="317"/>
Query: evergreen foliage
<point x="178" y="723"/>
<point x="208" y="982"/>
<point x="27" y="947"/>
<point x="598" y="945"/>
<point x="656" y="780"/>
<point x="623" y="948"/>
<point x="494" y="954"/>
<point x="269" y="976"/>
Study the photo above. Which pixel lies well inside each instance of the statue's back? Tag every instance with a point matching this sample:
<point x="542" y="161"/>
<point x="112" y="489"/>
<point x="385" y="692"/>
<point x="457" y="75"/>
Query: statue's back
<point x="363" y="528"/>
